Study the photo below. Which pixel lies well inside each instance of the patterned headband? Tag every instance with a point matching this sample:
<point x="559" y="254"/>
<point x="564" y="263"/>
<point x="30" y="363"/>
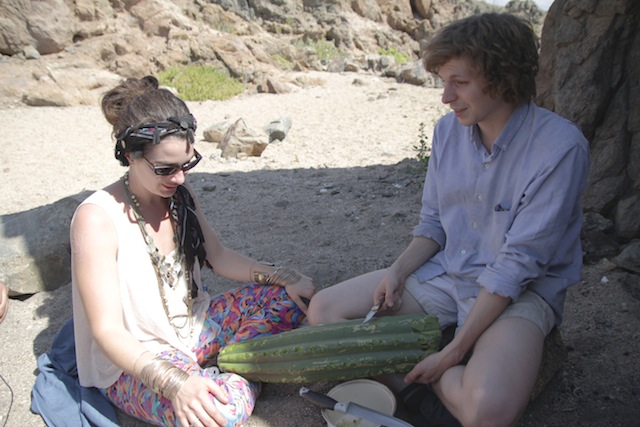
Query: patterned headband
<point x="134" y="138"/>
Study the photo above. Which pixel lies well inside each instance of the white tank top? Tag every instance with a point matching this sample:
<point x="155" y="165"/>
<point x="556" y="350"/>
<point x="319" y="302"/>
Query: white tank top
<point x="144" y="315"/>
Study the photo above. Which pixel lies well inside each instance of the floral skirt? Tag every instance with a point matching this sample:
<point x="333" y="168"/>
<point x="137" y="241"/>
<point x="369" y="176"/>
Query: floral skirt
<point x="236" y="315"/>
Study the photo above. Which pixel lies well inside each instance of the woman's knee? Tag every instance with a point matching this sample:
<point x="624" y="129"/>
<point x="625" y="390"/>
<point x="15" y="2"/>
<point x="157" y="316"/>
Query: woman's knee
<point x="242" y="398"/>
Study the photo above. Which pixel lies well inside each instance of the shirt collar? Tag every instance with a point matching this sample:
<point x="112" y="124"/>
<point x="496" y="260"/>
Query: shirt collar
<point x="513" y="126"/>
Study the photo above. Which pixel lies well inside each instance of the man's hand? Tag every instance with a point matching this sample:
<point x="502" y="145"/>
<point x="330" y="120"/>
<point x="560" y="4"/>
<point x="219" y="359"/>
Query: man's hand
<point x="389" y="292"/>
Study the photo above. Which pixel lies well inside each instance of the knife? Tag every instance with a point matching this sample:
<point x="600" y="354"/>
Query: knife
<point x="371" y="313"/>
<point x="351" y="408"/>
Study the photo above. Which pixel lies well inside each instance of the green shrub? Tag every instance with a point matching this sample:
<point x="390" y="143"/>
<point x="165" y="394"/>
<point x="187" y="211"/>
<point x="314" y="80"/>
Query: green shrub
<point x="399" y="57"/>
<point x="324" y="50"/>
<point x="423" y="148"/>
<point x="283" y="62"/>
<point x="201" y="83"/>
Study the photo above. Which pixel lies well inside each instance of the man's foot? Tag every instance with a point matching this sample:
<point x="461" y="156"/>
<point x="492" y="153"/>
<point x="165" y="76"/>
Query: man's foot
<point x="425" y="407"/>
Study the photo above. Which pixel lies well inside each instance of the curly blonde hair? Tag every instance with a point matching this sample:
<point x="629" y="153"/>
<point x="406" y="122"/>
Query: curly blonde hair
<point x="503" y="48"/>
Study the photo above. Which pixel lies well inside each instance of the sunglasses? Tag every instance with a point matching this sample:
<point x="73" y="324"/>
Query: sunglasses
<point x="171" y="169"/>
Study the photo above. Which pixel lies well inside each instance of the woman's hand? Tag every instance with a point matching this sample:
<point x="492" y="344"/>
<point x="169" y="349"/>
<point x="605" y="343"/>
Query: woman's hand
<point x="4" y="301"/>
<point x="194" y="406"/>
<point x="303" y="288"/>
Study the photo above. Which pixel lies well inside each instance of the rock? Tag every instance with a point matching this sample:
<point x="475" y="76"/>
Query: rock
<point x="582" y="40"/>
<point x="275" y="86"/>
<point x="629" y="258"/>
<point x="627" y="217"/>
<point x="278" y="129"/>
<point x="241" y="140"/>
<point x="67" y="85"/>
<point x="35" y="252"/>
<point x="415" y="74"/>
<point x="51" y="26"/>
<point x="31" y="52"/>
<point x="632" y="285"/>
<point x="217" y="131"/>
<point x="597" y="245"/>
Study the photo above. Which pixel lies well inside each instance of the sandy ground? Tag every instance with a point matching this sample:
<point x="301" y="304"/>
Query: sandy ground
<point x="337" y="197"/>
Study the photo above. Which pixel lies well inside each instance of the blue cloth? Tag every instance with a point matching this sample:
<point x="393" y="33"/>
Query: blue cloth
<point x="509" y="219"/>
<point x="57" y="395"/>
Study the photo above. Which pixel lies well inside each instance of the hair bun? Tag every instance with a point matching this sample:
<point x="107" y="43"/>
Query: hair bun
<point x="152" y="81"/>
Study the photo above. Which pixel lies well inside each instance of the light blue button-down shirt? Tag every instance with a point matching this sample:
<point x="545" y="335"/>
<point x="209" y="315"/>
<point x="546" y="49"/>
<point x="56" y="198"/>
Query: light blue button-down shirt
<point x="509" y="219"/>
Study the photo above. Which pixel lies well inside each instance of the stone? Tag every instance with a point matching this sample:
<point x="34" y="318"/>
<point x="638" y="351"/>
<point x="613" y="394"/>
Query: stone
<point x="217" y="131"/>
<point x="35" y="253"/>
<point x="627" y="217"/>
<point x="51" y="25"/>
<point x="629" y="258"/>
<point x="242" y="141"/>
<point x="589" y="68"/>
<point x="278" y="129"/>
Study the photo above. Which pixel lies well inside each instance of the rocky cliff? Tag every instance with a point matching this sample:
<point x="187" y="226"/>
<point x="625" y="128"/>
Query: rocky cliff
<point x="64" y="52"/>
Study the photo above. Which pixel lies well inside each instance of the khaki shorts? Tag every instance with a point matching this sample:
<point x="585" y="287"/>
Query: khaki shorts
<point x="439" y="297"/>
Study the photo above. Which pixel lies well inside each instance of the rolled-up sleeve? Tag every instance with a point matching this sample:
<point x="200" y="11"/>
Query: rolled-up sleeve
<point x="509" y="218"/>
<point x="548" y="219"/>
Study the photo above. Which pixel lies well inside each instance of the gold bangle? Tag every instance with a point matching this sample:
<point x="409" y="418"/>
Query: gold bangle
<point x="284" y="276"/>
<point x="163" y="377"/>
<point x="135" y="372"/>
<point x="261" y="277"/>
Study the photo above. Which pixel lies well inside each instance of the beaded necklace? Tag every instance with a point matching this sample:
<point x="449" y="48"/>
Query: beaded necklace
<point x="168" y="273"/>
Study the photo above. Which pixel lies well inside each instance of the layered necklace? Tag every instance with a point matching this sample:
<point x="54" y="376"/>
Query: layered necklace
<point x="168" y="272"/>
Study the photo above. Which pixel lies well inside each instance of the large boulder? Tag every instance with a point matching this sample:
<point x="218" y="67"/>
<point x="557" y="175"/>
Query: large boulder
<point x="47" y="25"/>
<point x="590" y="69"/>
<point x="34" y="247"/>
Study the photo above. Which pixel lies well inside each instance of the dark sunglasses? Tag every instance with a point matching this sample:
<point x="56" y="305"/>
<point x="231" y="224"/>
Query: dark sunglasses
<point x="171" y="169"/>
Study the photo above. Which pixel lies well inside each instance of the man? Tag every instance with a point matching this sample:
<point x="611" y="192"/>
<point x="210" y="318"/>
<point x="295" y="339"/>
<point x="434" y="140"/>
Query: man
<point x="498" y="242"/>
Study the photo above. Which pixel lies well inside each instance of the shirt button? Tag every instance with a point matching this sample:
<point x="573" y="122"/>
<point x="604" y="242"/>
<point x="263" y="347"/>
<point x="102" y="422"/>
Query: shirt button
<point x="479" y="197"/>
<point x="463" y="252"/>
<point x="487" y="165"/>
<point x="474" y="225"/>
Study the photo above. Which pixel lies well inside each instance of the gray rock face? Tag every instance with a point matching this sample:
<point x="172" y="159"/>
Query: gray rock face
<point x="47" y="25"/>
<point x="590" y="63"/>
<point x="34" y="247"/>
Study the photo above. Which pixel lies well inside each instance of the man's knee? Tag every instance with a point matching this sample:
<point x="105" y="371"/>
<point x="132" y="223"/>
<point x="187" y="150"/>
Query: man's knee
<point x="485" y="408"/>
<point x="318" y="311"/>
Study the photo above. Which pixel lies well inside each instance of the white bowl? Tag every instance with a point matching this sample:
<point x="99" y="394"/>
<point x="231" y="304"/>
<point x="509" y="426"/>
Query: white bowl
<point x="371" y="394"/>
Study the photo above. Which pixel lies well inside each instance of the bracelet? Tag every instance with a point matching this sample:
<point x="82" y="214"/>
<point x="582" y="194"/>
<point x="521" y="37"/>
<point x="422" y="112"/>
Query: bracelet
<point x="260" y="276"/>
<point x="135" y="372"/>
<point x="283" y="276"/>
<point x="163" y="377"/>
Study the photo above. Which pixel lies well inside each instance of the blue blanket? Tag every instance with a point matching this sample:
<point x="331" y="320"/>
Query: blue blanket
<point x="57" y="394"/>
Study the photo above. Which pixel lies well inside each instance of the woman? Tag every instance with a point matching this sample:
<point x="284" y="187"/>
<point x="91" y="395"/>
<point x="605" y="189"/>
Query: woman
<point x="4" y="301"/>
<point x="146" y="328"/>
